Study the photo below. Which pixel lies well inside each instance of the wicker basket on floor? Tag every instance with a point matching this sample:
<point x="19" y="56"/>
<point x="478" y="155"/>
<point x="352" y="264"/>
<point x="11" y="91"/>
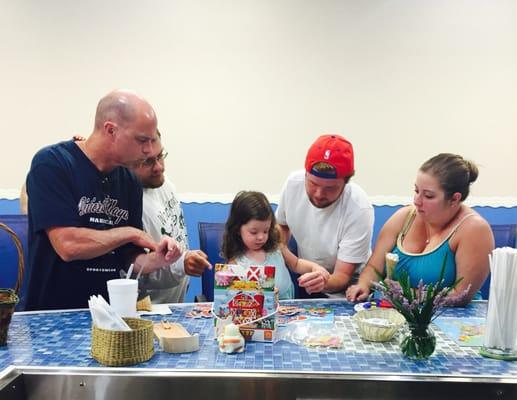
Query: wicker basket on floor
<point x="119" y="348"/>
<point x="9" y="297"/>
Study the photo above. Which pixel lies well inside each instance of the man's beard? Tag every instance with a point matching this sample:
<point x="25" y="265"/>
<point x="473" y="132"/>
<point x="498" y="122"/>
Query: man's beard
<point x="321" y="205"/>
<point x="153" y="183"/>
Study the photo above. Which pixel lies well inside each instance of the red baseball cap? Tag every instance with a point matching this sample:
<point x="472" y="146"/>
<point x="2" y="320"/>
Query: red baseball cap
<point x="334" y="150"/>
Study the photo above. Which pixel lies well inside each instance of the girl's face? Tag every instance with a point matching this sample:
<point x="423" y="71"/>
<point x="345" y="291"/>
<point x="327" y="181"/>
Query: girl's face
<point x="429" y="198"/>
<point x="255" y="233"/>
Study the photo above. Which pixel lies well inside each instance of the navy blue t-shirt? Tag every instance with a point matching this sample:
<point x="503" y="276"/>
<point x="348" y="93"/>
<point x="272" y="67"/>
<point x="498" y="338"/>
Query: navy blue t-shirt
<point x="65" y="189"/>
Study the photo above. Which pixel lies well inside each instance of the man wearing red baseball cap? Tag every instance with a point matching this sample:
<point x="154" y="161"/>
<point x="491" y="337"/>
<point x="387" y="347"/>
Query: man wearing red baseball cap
<point x="330" y="217"/>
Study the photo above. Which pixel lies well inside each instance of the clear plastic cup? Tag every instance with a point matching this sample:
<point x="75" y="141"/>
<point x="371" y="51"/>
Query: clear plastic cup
<point x="123" y="294"/>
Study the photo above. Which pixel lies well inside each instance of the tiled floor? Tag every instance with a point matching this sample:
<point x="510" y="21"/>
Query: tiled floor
<point x="63" y="340"/>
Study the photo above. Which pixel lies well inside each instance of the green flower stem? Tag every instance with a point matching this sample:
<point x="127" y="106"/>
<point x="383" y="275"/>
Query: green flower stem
<point x="419" y="342"/>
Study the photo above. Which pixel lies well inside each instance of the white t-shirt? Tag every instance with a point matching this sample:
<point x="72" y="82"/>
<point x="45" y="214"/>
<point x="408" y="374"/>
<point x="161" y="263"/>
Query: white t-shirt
<point x="341" y="231"/>
<point x="162" y="215"/>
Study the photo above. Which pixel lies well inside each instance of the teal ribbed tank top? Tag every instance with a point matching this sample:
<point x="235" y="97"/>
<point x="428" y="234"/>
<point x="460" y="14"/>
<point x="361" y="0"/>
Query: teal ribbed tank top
<point x="426" y="266"/>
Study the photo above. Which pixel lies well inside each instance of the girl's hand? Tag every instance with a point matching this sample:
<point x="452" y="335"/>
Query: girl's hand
<point x="357" y="292"/>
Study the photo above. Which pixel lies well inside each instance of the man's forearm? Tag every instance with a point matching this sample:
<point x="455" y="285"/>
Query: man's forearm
<point x="338" y="282"/>
<point x="85" y="243"/>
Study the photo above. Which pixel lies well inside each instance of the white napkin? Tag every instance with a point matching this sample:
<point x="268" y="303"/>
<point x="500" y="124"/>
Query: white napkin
<point x="103" y="315"/>
<point x="158" y="309"/>
<point x="501" y="320"/>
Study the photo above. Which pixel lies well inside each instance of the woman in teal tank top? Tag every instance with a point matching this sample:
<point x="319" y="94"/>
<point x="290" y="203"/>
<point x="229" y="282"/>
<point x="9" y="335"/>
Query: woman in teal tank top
<point x="438" y="224"/>
<point x="426" y="266"/>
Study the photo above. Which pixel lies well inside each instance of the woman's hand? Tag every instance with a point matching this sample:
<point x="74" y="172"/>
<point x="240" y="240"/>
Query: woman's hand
<point x="357" y="292"/>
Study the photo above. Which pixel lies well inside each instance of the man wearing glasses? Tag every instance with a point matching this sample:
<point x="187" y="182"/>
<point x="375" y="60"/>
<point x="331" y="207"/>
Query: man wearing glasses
<point x="162" y="215"/>
<point x="85" y="208"/>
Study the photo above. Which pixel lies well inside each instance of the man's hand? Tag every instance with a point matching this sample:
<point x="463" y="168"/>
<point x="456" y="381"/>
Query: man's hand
<point x="143" y="239"/>
<point x="196" y="262"/>
<point x="315" y="281"/>
<point x="169" y="249"/>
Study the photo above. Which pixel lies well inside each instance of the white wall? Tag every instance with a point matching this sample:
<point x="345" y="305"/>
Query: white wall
<point x="242" y="88"/>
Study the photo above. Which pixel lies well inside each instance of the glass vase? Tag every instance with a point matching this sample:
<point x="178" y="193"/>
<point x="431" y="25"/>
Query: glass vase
<point x="418" y="342"/>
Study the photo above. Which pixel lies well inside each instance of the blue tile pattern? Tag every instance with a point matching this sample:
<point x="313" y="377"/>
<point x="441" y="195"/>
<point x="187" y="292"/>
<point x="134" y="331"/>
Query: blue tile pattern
<point x="62" y="339"/>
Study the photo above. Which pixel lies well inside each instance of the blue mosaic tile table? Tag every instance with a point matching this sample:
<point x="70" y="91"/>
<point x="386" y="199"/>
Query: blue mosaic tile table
<point x="63" y="339"/>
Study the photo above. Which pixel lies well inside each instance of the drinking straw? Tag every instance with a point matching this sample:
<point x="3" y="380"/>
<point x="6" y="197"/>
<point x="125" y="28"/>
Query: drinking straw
<point x="130" y="271"/>
<point x="140" y="272"/>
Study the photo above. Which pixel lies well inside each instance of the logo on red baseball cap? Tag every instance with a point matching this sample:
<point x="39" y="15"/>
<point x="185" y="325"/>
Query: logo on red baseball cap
<point x="333" y="150"/>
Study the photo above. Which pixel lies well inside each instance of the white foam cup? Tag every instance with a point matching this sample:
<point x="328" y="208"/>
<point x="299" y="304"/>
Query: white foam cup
<point x="123" y="294"/>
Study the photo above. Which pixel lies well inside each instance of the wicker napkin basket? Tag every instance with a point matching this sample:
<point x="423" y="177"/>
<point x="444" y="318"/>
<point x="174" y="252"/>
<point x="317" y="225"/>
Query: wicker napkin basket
<point x="376" y="333"/>
<point x="9" y="297"/>
<point x="119" y="348"/>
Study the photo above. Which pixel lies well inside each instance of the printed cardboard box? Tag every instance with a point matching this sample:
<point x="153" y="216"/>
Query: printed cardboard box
<point x="246" y="297"/>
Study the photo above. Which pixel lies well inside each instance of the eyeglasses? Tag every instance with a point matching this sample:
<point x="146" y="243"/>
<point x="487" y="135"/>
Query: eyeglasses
<point x="149" y="162"/>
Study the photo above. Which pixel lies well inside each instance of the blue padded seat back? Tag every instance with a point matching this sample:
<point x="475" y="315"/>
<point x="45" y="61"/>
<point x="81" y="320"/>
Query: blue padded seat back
<point x="504" y="236"/>
<point x="210" y="241"/>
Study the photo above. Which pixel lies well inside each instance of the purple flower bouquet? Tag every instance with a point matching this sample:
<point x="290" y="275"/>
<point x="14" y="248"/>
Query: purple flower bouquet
<point x="419" y="306"/>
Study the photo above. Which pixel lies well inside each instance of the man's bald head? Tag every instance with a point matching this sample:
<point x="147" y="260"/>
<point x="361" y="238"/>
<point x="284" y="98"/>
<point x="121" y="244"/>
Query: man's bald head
<point x="124" y="132"/>
<point x="122" y="107"/>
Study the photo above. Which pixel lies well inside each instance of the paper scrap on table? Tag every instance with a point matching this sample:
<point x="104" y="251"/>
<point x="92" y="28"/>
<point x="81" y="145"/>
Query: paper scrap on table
<point x="158" y="309"/>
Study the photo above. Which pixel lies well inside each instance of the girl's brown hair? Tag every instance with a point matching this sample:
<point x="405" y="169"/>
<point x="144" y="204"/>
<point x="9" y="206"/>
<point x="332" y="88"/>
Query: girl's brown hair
<point x="247" y="205"/>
